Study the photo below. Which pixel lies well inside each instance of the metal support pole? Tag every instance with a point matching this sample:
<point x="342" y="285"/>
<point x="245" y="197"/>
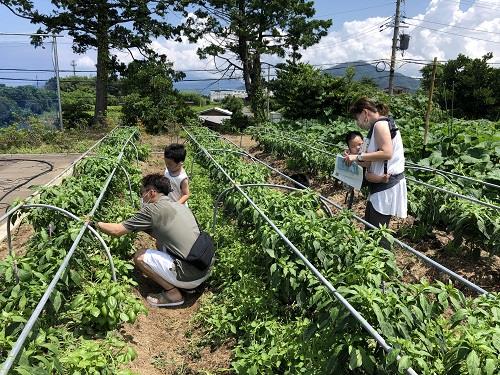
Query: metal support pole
<point x="56" y="68"/>
<point x="467" y="178"/>
<point x="74" y="217"/>
<point x="461" y="196"/>
<point x="403" y="245"/>
<point x="126" y="175"/>
<point x="370" y="329"/>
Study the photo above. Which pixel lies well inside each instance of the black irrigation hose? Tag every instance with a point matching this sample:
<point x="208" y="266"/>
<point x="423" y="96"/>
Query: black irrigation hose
<point x="51" y="167"/>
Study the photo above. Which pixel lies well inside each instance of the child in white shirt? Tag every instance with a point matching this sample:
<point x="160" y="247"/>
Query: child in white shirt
<point x="174" y="155"/>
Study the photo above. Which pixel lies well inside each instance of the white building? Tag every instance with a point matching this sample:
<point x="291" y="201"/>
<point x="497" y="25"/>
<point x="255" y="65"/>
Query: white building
<point x="218" y="95"/>
<point x="213" y="117"/>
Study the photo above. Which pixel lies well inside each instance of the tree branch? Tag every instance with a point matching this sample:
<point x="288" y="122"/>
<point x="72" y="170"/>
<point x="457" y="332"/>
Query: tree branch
<point x="15" y="13"/>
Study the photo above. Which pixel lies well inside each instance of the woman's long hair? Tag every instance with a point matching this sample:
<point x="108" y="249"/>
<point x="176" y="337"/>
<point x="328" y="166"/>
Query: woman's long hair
<point x="366" y="103"/>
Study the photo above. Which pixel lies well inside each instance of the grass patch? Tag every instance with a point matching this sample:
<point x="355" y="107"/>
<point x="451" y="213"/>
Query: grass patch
<point x="39" y="139"/>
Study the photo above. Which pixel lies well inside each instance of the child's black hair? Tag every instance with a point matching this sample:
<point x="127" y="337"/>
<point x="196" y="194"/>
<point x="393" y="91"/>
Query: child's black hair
<point x="176" y="152"/>
<point x="351" y="135"/>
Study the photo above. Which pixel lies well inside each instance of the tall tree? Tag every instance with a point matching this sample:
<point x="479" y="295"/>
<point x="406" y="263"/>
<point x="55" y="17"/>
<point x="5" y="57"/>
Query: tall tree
<point x="470" y="85"/>
<point x="151" y="97"/>
<point x="106" y="25"/>
<point x="240" y="32"/>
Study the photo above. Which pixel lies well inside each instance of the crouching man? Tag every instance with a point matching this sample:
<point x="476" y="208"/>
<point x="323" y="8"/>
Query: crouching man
<point x="184" y="254"/>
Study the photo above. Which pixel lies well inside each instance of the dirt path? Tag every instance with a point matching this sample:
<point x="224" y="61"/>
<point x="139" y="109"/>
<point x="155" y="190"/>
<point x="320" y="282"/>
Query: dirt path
<point x="167" y="340"/>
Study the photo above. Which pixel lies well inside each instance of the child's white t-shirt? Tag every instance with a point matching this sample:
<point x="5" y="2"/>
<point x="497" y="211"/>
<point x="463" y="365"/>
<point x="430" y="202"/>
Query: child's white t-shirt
<point x="175" y="184"/>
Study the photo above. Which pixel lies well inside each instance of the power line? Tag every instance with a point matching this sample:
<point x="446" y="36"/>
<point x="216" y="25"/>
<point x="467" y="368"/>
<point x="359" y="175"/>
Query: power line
<point x="479" y="4"/>
<point x="458" y="27"/>
<point x="447" y="32"/>
<point x="44" y="70"/>
<point x="330" y="45"/>
<point x="352" y="10"/>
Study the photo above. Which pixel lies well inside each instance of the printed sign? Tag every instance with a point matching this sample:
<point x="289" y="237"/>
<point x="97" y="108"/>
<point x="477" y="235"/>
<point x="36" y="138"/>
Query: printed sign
<point x="352" y="174"/>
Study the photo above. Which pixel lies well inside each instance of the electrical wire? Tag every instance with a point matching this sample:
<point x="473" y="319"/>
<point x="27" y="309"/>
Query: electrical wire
<point x="319" y="16"/>
<point x="447" y="32"/>
<point x="448" y="25"/>
<point x="475" y="3"/>
<point x="334" y="44"/>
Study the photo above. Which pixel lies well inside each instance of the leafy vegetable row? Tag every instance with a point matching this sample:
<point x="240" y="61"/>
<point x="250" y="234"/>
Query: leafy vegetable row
<point x="285" y="321"/>
<point x="474" y="227"/>
<point x="74" y="335"/>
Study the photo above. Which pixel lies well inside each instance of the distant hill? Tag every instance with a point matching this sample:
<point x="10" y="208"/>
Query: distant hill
<point x="363" y="69"/>
<point x="203" y="86"/>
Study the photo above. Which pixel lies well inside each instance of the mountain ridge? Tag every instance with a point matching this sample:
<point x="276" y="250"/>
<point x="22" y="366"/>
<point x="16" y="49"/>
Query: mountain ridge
<point x="364" y="69"/>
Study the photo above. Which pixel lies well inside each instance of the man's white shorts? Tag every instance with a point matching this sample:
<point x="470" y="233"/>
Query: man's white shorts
<point x="163" y="265"/>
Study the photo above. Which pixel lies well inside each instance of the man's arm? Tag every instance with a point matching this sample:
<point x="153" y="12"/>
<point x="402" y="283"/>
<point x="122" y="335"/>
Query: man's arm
<point x="113" y="229"/>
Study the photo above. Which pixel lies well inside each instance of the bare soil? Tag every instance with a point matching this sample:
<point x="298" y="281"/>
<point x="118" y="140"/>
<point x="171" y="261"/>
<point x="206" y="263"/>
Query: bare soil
<point x="167" y="340"/>
<point x="158" y="142"/>
<point x="20" y="238"/>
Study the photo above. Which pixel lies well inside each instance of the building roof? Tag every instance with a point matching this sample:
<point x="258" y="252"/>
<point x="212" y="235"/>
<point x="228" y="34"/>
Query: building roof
<point x="223" y="112"/>
<point x="214" y="119"/>
<point x="228" y="90"/>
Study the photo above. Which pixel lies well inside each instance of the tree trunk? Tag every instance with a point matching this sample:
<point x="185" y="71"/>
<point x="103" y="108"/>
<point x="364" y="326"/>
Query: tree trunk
<point x="251" y="70"/>
<point x="101" y="85"/>
<point x="256" y="93"/>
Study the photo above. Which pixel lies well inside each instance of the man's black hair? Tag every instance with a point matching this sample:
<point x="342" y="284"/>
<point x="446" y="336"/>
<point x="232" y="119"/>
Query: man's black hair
<point x="351" y="135"/>
<point x="156" y="181"/>
<point x="176" y="152"/>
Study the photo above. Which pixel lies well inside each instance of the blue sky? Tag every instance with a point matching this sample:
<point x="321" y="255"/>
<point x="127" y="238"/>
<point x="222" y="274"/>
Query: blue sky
<point x="436" y="27"/>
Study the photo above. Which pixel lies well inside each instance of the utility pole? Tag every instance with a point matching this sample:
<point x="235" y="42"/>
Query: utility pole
<point x="429" y="103"/>
<point x="58" y="86"/>
<point x="73" y="64"/>
<point x="394" y="47"/>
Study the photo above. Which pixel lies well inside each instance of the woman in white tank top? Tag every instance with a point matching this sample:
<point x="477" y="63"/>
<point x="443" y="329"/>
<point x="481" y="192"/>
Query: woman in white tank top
<point x="383" y="156"/>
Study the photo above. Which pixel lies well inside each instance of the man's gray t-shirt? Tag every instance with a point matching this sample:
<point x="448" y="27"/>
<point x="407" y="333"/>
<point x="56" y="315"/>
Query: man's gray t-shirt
<point x="175" y="230"/>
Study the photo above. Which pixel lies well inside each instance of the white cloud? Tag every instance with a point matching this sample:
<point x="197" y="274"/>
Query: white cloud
<point x="362" y="40"/>
<point x="85" y="62"/>
<point x="183" y="54"/>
